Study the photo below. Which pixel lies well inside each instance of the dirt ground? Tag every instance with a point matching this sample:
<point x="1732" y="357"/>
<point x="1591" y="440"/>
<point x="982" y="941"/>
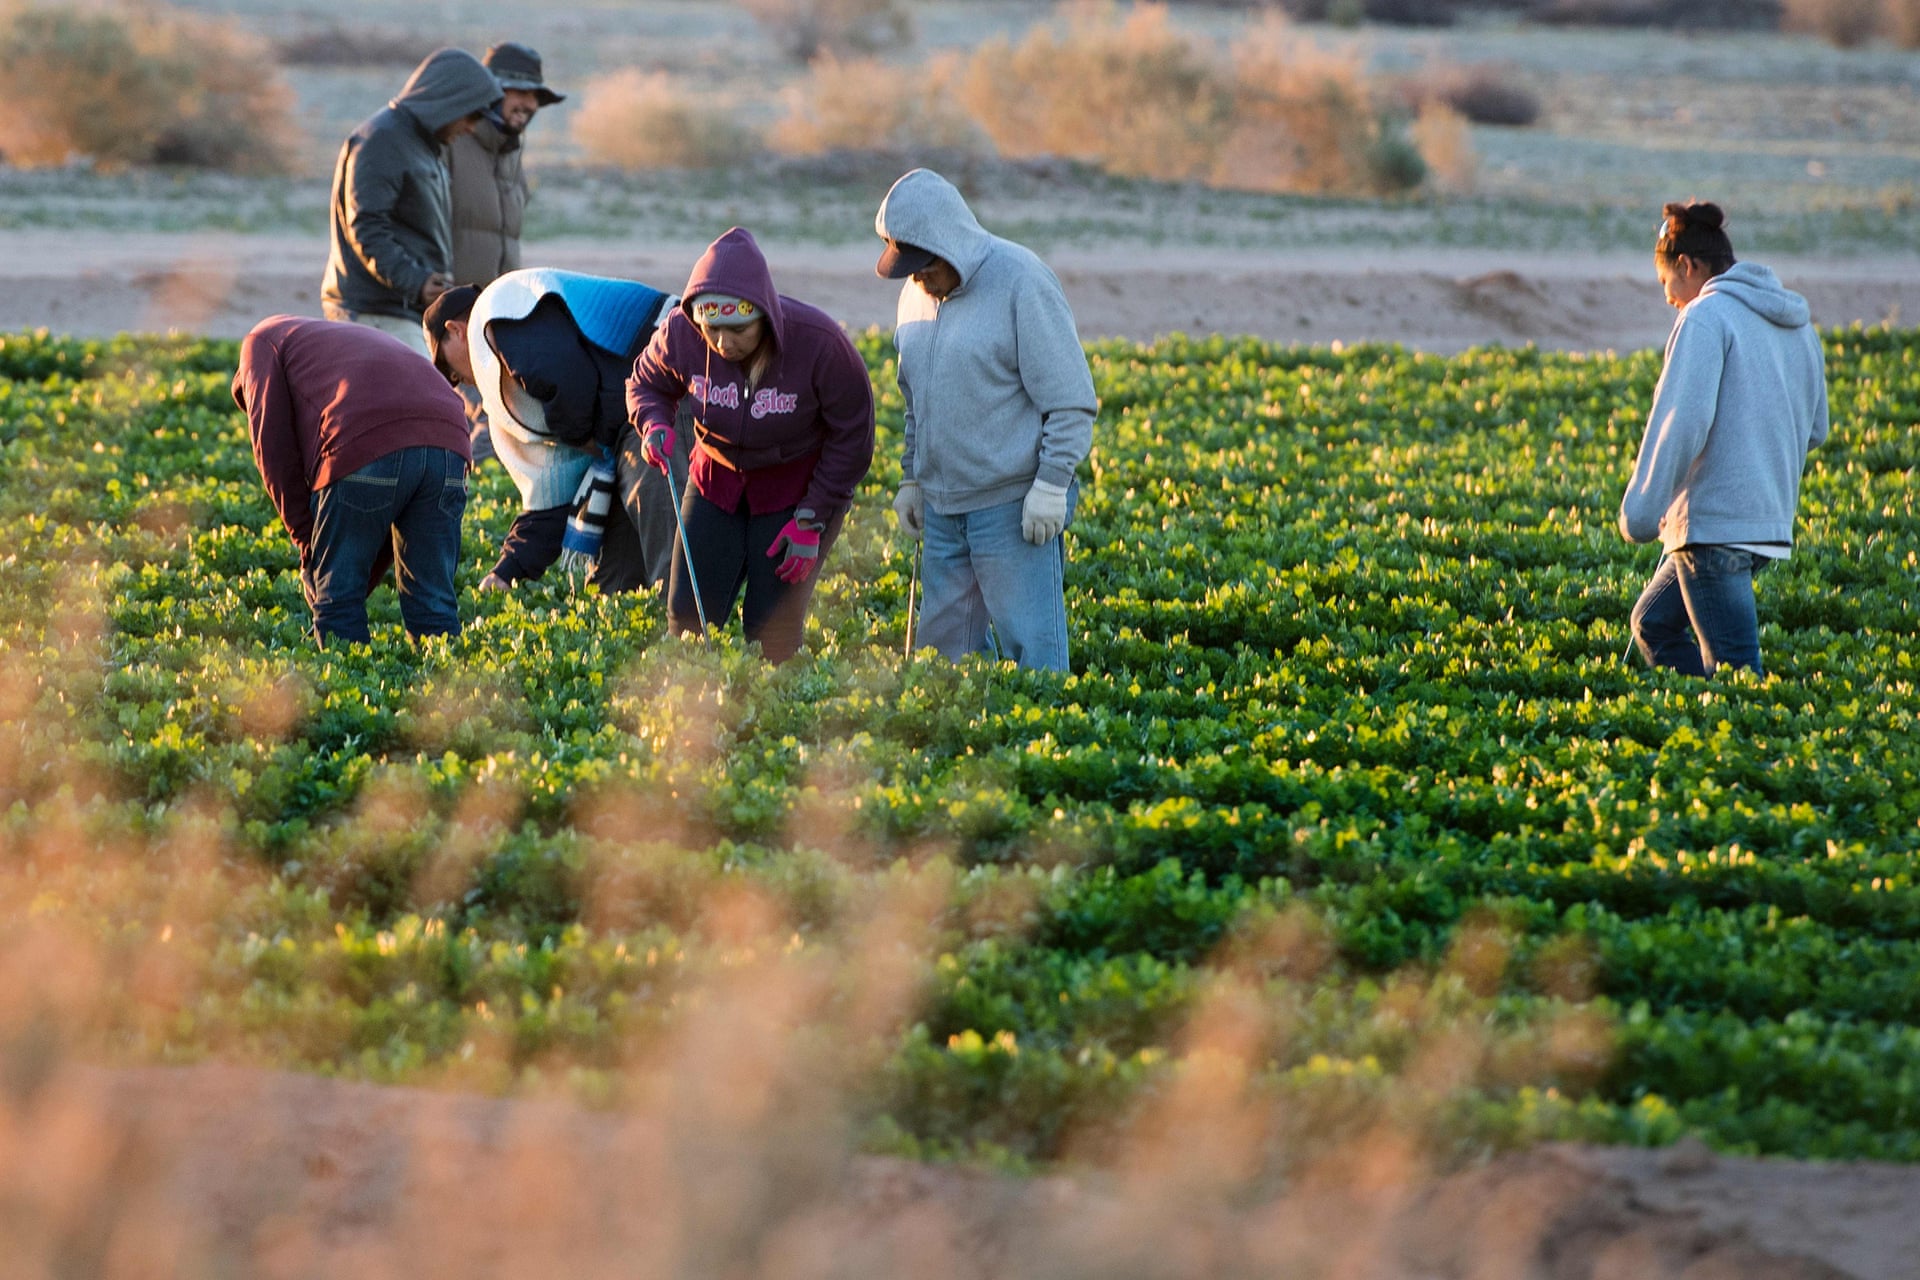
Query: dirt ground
<point x="98" y="283"/>
<point x="220" y="1171"/>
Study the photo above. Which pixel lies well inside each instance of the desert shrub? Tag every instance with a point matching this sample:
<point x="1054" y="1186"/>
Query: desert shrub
<point x="805" y="29"/>
<point x="1846" y="23"/>
<point x="1900" y="22"/>
<point x="339" y="46"/>
<point x="647" y="120"/>
<point x="1718" y="15"/>
<point x="1483" y="94"/>
<point x="141" y="84"/>
<point x="1852" y="23"/>
<point x="1134" y="96"/>
<point x="1129" y="93"/>
<point x="865" y="105"/>
<point x="1405" y="13"/>
<point x="1412" y="13"/>
<point x="1304" y="120"/>
<point x="1440" y="134"/>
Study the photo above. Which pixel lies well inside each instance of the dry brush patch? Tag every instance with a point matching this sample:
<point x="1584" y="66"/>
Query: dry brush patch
<point x="1125" y="91"/>
<point x="124" y="84"/>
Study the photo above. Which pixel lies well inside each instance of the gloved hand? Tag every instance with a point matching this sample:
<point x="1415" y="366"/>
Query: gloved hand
<point x="1044" y="514"/>
<point x="911" y="508"/>
<point x="800" y="537"/>
<point x="656" y="445"/>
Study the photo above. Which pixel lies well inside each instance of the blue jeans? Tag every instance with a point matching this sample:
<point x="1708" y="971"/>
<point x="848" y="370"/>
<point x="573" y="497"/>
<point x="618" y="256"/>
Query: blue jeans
<point x="410" y="501"/>
<point x="978" y="571"/>
<point x="1697" y="612"/>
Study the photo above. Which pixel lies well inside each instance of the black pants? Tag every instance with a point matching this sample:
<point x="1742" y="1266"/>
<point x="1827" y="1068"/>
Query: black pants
<point x="730" y="550"/>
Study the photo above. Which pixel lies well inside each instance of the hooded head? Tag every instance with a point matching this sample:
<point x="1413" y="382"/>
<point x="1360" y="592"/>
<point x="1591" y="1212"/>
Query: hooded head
<point x="1756" y="287"/>
<point x="734" y="268"/>
<point x="449" y="86"/>
<point x="926" y="212"/>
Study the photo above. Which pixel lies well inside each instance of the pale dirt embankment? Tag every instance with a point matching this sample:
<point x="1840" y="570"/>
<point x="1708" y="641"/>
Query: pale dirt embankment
<point x="95" y="283"/>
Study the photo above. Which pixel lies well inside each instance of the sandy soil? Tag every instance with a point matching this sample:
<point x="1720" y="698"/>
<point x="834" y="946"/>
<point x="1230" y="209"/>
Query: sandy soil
<point x="94" y="283"/>
<point x="213" y="1171"/>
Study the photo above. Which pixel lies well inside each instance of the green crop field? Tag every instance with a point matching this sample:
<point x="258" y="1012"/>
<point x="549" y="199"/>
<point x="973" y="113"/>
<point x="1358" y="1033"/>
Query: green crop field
<point x="1352" y="797"/>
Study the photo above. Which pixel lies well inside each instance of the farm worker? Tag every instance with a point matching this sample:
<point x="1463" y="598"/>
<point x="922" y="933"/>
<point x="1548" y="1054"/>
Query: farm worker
<point x="490" y="190"/>
<point x="364" y="453"/>
<point x="548" y="353"/>
<point x="999" y="412"/>
<point x="783" y="432"/>
<point x="390" y="219"/>
<point x="1740" y="403"/>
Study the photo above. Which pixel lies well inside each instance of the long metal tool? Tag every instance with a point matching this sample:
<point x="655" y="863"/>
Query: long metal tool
<point x="686" y="556"/>
<point x="913" y="587"/>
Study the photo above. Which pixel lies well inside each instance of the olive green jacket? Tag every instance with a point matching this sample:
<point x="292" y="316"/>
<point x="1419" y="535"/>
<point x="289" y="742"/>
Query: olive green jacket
<point x="489" y="204"/>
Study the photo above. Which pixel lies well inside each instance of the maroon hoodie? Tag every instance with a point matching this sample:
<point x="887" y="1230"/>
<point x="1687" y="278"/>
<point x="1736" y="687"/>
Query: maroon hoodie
<point x="324" y="399"/>
<point x="802" y="436"/>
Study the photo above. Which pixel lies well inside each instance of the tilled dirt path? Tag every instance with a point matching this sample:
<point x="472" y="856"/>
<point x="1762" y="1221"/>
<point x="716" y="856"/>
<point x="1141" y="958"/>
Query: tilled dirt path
<point x="98" y="283"/>
<point x="209" y="1171"/>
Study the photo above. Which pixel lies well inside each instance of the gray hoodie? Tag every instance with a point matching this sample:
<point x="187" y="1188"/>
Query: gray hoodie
<point x="1741" y="401"/>
<point x="996" y="383"/>
<point x="392" y="211"/>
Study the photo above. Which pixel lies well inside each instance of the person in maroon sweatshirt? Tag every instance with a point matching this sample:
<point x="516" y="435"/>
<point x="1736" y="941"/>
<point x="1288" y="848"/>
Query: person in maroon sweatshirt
<point x="783" y="432"/>
<point x="363" y="447"/>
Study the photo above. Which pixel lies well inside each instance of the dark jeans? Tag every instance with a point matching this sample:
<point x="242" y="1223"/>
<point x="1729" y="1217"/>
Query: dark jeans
<point x="412" y="499"/>
<point x="730" y="549"/>
<point x="1697" y="612"/>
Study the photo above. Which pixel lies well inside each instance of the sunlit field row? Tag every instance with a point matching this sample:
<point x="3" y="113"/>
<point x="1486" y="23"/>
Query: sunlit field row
<point x="1352" y="817"/>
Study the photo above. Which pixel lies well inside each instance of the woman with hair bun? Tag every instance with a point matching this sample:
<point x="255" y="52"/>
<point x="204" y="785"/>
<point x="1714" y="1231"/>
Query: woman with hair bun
<point x="1741" y="401"/>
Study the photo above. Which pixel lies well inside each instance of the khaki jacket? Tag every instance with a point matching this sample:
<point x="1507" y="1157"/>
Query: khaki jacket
<point x="489" y="204"/>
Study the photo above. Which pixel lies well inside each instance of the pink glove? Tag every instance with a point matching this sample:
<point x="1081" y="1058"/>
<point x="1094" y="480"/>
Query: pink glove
<point x="656" y="445"/>
<point x="801" y="538"/>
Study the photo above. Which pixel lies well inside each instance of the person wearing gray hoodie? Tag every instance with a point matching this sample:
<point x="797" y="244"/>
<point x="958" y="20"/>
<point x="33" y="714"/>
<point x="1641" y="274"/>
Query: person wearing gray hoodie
<point x="390" y="242"/>
<point x="1741" y="401"/>
<point x="999" y="413"/>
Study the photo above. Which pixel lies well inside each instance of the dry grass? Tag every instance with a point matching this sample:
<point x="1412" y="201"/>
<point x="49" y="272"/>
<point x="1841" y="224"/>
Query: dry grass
<point x="1846" y="23"/>
<point x="342" y="46"/>
<point x="1440" y="134"/>
<point x="806" y="29"/>
<point x="1483" y="93"/>
<point x="1900" y="22"/>
<point x="1140" y="99"/>
<point x="648" y="120"/>
<point x="120" y="86"/>
<point x="864" y="104"/>
<point x="1128" y="93"/>
<point x="1304" y="120"/>
<point x="1849" y="24"/>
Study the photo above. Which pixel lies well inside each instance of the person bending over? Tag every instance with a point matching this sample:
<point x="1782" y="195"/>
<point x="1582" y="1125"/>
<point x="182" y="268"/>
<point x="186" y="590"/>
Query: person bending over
<point x="364" y="452"/>
<point x="783" y="427"/>
<point x="548" y="353"/>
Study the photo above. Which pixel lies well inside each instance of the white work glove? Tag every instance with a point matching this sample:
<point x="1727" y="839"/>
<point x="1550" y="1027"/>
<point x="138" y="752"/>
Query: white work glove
<point x="911" y="508"/>
<point x="1044" y="514"/>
